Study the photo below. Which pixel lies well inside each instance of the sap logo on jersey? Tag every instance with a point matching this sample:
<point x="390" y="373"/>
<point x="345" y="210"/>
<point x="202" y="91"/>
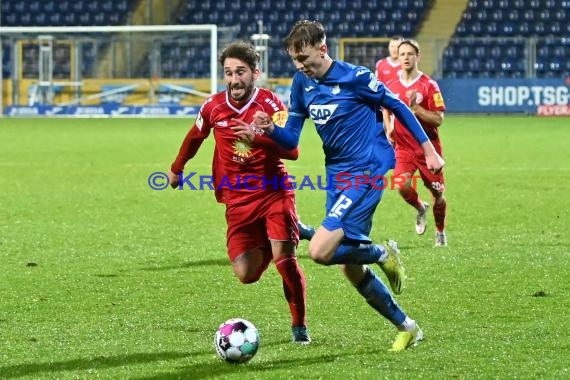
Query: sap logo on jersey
<point x="320" y="114"/>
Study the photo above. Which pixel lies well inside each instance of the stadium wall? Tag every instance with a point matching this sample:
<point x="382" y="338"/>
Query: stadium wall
<point x="543" y="97"/>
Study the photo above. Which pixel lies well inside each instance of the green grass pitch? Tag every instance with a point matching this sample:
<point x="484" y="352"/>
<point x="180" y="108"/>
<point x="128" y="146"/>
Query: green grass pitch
<point x="104" y="278"/>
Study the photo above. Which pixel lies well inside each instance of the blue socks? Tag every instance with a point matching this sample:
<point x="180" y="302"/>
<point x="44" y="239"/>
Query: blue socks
<point x="378" y="296"/>
<point x="356" y="253"/>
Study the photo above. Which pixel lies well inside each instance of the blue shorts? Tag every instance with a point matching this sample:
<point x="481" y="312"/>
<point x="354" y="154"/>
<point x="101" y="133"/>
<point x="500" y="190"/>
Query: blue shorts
<point x="351" y="202"/>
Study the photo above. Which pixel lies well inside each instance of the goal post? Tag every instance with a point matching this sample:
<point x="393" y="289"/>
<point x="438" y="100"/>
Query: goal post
<point x="109" y="69"/>
<point x="363" y="51"/>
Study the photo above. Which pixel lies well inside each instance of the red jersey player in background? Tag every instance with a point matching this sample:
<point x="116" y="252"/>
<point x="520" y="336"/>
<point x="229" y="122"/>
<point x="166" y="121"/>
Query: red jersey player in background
<point x="250" y="179"/>
<point x="423" y="96"/>
<point x="388" y="68"/>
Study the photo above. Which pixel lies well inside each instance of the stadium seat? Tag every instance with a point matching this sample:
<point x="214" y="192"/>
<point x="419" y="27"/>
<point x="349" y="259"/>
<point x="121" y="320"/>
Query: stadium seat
<point x="34" y="6"/>
<point x="48" y="6"/>
<point x="491" y="28"/>
<point x="78" y="6"/>
<point x="514" y="18"/>
<point x="474" y="65"/>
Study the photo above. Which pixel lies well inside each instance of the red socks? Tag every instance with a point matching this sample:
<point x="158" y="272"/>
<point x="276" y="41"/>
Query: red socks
<point x="439" y="211"/>
<point x="295" y="288"/>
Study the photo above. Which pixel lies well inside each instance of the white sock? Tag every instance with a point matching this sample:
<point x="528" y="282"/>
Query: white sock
<point x="384" y="256"/>
<point x="408" y="324"/>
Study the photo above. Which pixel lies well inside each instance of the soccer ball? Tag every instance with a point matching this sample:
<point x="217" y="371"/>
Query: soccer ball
<point x="236" y="340"/>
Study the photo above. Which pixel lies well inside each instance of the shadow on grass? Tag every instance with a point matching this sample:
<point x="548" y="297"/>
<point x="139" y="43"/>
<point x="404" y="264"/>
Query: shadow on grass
<point x="36" y="369"/>
<point x="190" y="264"/>
<point x="217" y="368"/>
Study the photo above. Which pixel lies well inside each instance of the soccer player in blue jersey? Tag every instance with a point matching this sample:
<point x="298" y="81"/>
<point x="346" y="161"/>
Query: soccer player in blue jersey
<point x="342" y="100"/>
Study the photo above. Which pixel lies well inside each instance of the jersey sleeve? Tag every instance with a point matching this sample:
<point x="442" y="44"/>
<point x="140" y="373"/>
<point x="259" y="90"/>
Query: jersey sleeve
<point x="435" y="99"/>
<point x="367" y="86"/>
<point x="372" y="91"/>
<point x="288" y="135"/>
<point x="193" y="140"/>
<point x="279" y="118"/>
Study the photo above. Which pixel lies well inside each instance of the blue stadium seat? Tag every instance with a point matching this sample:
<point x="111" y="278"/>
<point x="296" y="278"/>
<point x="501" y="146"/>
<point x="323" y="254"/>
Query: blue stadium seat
<point x="461" y="30"/>
<point x="508" y="28"/>
<point x="203" y="5"/>
<point x="78" y="6"/>
<point x="70" y="18"/>
<point x="491" y="29"/>
<point x="554" y="28"/>
<point x="40" y="19"/>
<point x="48" y="6"/>
<point x="106" y="6"/>
<point x="19" y="6"/>
<point x="560" y="14"/>
<point x="528" y="15"/>
<point x="397" y="15"/>
<point x="497" y="15"/>
<point x="533" y="4"/>
<point x="62" y="6"/>
<point x="34" y="6"/>
<point x="474" y="65"/>
<point x="55" y="19"/>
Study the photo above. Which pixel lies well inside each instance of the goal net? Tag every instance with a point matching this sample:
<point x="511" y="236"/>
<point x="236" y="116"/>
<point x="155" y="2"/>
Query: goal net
<point x="363" y="51"/>
<point x="157" y="70"/>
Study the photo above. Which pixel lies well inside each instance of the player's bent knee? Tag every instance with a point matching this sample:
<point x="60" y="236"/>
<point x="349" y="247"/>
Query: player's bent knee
<point x="405" y="187"/>
<point x="248" y="280"/>
<point x="247" y="275"/>
<point x="439" y="198"/>
<point x="318" y="256"/>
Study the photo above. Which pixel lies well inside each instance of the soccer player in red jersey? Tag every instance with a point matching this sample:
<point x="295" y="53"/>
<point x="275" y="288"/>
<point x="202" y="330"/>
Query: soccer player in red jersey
<point x="250" y="178"/>
<point x="388" y="68"/>
<point x="423" y="96"/>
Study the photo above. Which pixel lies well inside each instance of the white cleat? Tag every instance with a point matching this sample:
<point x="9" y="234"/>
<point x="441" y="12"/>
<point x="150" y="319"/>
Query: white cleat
<point x="440" y="239"/>
<point x="421" y="219"/>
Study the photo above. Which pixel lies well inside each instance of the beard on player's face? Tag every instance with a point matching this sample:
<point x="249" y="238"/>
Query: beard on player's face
<point x="240" y="91"/>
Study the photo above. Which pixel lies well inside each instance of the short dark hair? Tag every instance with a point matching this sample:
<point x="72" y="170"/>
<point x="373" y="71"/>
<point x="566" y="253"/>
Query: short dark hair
<point x="412" y="43"/>
<point x="242" y="50"/>
<point x="305" y="33"/>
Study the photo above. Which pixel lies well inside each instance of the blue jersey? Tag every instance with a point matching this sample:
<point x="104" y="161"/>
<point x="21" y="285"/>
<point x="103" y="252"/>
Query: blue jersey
<point x="343" y="105"/>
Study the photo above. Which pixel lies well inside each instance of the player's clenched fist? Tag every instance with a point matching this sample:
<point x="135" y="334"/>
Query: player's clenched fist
<point x="263" y="120"/>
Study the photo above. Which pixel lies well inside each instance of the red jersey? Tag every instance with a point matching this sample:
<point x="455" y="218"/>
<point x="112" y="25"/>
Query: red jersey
<point x="386" y="70"/>
<point x="429" y="97"/>
<point x="241" y="171"/>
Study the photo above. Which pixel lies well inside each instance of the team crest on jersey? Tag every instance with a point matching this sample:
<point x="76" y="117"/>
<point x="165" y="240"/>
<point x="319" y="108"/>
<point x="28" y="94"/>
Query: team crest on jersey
<point x="199" y="121"/>
<point x="242" y="148"/>
<point x="438" y="99"/>
<point x="374" y="83"/>
<point x="335" y="90"/>
<point x="419" y="96"/>
<point x="280" y="118"/>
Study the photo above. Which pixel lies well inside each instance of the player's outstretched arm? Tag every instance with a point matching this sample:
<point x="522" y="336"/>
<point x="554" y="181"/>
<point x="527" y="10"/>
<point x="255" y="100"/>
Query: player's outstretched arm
<point x="288" y="136"/>
<point x="188" y="149"/>
<point x="173" y="178"/>
<point x="248" y="132"/>
<point x="434" y="161"/>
